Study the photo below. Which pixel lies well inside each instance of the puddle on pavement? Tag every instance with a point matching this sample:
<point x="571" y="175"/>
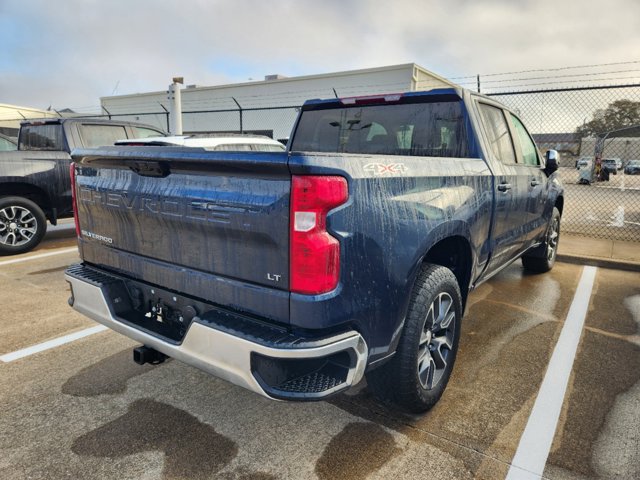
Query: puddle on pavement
<point x="606" y="311"/>
<point x="191" y="448"/>
<point x="108" y="376"/>
<point x="507" y="338"/>
<point x="357" y="451"/>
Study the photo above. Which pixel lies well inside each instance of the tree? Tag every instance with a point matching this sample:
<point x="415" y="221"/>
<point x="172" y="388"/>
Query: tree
<point x="619" y="114"/>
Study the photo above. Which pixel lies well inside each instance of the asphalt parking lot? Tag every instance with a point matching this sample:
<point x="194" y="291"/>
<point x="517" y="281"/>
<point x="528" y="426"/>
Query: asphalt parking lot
<point x="83" y="409"/>
<point x="609" y="209"/>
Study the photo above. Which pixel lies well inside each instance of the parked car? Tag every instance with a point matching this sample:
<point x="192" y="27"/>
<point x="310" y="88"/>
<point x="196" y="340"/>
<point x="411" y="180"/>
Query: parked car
<point x="34" y="179"/>
<point x="293" y="274"/>
<point x="632" y="168"/>
<point x="219" y="142"/>
<point x="612" y="165"/>
<point x="7" y="144"/>
<point x="583" y="162"/>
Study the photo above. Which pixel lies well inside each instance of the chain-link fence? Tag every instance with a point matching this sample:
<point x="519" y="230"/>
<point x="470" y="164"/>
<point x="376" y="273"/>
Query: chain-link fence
<point x="595" y="129"/>
<point x="597" y="132"/>
<point x="589" y="127"/>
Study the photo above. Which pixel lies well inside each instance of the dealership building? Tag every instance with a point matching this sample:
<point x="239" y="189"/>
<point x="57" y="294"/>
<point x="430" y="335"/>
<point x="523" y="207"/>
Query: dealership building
<point x="268" y="106"/>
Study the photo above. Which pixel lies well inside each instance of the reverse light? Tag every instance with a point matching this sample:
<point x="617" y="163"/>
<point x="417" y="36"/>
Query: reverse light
<point x="315" y="254"/>
<point x="72" y="173"/>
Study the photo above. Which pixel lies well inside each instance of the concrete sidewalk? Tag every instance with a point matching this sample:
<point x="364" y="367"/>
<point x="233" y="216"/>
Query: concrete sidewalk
<point x="599" y="252"/>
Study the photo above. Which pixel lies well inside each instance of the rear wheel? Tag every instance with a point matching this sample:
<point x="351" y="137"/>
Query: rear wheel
<point x="416" y="376"/>
<point x="22" y="225"/>
<point x="549" y="249"/>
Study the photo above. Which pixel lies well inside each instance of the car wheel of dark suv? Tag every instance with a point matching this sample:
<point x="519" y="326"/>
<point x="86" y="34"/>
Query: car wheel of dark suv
<point x="22" y="225"/>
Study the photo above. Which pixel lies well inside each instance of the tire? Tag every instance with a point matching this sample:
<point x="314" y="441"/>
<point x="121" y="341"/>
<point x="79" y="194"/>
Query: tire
<point x="22" y="225"/>
<point x="545" y="257"/>
<point x="416" y="376"/>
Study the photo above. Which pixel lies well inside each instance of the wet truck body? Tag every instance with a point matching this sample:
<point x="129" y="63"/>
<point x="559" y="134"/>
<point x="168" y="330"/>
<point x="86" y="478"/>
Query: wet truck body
<point x="293" y="274"/>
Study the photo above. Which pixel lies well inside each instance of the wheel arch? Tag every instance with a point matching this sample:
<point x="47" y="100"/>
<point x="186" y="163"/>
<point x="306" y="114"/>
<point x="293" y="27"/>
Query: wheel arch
<point x="31" y="192"/>
<point x="560" y="203"/>
<point x="455" y="253"/>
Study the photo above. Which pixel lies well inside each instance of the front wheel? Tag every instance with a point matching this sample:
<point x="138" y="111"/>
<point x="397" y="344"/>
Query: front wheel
<point x="415" y="378"/>
<point x="549" y="249"/>
<point x="22" y="225"/>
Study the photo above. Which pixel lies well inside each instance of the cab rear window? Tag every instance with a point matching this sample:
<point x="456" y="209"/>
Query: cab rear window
<point x="101" y="135"/>
<point x="435" y="129"/>
<point x="41" y="137"/>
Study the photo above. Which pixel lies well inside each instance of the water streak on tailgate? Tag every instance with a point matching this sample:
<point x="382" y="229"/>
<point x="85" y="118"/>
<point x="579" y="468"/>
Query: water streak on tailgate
<point x="203" y="226"/>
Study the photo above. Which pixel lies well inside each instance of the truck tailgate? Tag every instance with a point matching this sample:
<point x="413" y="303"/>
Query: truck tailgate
<point x="205" y="224"/>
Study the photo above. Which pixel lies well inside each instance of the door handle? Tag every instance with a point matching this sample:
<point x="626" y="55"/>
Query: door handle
<point x="534" y="183"/>
<point x="503" y="187"/>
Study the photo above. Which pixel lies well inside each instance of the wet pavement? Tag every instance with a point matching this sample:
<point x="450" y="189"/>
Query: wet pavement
<point x="85" y="410"/>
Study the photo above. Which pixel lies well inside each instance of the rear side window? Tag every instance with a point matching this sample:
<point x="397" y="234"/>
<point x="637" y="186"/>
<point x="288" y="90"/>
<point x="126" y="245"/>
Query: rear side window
<point x="41" y="137"/>
<point x="435" y="129"/>
<point x="101" y="135"/>
<point x="6" y="145"/>
<point x="498" y="133"/>
<point x="234" y="147"/>
<point x="265" y="147"/>
<point x="250" y="147"/>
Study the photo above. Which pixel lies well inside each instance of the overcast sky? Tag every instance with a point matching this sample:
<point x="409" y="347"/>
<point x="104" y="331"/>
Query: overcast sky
<point x="69" y="53"/>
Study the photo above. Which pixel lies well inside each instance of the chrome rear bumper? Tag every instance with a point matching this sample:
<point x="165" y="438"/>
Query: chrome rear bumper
<point x="228" y="355"/>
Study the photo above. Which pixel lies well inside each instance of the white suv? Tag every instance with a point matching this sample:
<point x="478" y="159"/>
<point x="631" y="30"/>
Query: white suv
<point x="228" y="142"/>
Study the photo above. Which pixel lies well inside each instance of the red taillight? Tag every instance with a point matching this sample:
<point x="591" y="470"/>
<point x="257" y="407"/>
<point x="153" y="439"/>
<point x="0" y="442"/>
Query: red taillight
<point x="72" y="173"/>
<point x="315" y="254"/>
<point x="372" y="99"/>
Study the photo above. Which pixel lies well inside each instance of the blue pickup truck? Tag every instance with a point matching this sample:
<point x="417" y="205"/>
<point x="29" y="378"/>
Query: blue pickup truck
<point x="296" y="274"/>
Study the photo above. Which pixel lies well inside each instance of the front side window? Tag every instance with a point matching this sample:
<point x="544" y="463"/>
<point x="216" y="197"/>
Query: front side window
<point x="498" y="133"/>
<point x="101" y="135"/>
<point x="41" y="137"/>
<point x="529" y="151"/>
<point x="433" y="129"/>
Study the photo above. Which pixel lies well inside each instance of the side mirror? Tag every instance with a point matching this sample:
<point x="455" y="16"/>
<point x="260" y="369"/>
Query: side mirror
<point x="552" y="157"/>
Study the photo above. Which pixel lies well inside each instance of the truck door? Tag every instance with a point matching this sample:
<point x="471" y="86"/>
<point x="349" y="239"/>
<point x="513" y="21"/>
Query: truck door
<point x="510" y="229"/>
<point x="530" y="164"/>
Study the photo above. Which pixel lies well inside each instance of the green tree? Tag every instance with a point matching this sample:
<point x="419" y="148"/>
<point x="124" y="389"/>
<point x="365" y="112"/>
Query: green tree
<point x="619" y="114"/>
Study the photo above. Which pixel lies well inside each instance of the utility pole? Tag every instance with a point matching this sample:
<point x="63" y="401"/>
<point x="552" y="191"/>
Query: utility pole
<point x="175" y="106"/>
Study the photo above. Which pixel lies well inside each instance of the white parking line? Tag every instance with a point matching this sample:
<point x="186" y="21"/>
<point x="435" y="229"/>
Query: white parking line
<point x="56" y="342"/>
<point x="531" y="456"/>
<point x="40" y="255"/>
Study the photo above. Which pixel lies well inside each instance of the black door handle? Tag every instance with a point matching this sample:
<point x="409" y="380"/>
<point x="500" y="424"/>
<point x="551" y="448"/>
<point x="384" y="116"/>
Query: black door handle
<point x="535" y="183"/>
<point x="503" y="187"/>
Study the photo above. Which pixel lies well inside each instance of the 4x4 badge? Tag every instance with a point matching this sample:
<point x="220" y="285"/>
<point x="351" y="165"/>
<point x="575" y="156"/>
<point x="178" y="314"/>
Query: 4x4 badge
<point x="386" y="168"/>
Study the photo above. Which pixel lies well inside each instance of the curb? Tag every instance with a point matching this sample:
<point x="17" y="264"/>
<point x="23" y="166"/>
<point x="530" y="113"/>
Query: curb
<point x="600" y="262"/>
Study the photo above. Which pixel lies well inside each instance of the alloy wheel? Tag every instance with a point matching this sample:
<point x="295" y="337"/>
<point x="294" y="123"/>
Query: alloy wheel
<point x="436" y="341"/>
<point x="18" y="226"/>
